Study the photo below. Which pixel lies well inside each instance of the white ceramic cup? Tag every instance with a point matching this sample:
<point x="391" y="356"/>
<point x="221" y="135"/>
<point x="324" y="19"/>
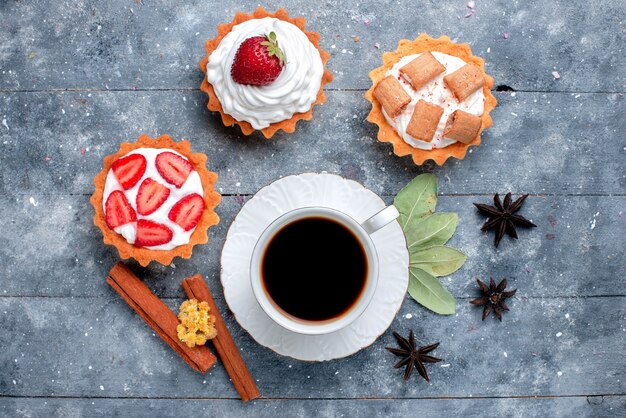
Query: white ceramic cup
<point x="361" y="231"/>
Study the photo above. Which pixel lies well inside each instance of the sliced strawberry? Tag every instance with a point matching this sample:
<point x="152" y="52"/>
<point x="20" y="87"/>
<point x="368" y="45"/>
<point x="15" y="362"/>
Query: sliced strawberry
<point x="129" y="170"/>
<point x="151" y="196"/>
<point x="151" y="233"/>
<point x="173" y="168"/>
<point x="118" y="211"/>
<point x="187" y="211"/>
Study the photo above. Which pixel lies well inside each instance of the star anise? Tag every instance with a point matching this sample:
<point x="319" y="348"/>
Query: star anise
<point x="413" y="357"/>
<point x="502" y="216"/>
<point x="493" y="298"/>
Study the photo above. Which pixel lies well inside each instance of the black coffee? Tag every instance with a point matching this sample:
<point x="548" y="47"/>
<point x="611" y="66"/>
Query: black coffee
<point x="314" y="269"/>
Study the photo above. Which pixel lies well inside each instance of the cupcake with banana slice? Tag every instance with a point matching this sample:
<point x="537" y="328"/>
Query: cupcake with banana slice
<point x="431" y="99"/>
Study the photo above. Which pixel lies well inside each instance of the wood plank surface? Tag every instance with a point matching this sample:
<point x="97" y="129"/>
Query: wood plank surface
<point x="576" y="251"/>
<point x="596" y="406"/>
<point x="540" y="143"/>
<point x="149" y="44"/>
<point x="98" y="347"/>
<point x="79" y="77"/>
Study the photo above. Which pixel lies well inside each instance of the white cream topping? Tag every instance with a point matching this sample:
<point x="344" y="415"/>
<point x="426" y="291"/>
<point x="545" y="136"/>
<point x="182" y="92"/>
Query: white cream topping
<point x="191" y="185"/>
<point x="294" y="91"/>
<point x="435" y="92"/>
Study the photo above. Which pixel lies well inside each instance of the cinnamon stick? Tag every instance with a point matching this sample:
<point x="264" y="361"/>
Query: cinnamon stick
<point x="196" y="288"/>
<point x="156" y="314"/>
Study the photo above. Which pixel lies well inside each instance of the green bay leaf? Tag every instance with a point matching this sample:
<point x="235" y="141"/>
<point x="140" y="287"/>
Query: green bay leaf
<point x="438" y="260"/>
<point x="416" y="200"/>
<point x="432" y="230"/>
<point x="428" y="292"/>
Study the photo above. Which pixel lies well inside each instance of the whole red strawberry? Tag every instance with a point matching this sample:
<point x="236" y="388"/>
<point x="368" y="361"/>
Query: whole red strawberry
<point x="258" y="61"/>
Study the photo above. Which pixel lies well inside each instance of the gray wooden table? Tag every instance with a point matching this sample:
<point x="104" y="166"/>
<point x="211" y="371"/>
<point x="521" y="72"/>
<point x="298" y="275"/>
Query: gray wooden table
<point x="79" y="77"/>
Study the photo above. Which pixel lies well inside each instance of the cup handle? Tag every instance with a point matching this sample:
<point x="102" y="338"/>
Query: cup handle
<point x="382" y="218"/>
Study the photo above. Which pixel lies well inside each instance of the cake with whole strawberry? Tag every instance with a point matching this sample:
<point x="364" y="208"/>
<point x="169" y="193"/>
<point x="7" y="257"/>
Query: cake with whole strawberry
<point x="431" y="99"/>
<point x="264" y="72"/>
<point x="154" y="200"/>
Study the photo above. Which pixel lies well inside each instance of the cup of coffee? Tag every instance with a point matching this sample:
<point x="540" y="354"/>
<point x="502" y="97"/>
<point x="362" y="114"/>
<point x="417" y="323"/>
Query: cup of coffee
<point x="314" y="270"/>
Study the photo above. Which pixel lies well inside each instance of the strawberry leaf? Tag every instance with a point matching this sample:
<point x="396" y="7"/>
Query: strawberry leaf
<point x="273" y="50"/>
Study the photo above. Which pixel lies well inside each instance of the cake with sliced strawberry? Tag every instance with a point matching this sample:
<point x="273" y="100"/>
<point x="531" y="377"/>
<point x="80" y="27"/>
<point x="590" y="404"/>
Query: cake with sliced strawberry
<point x="152" y="198"/>
<point x="264" y="72"/>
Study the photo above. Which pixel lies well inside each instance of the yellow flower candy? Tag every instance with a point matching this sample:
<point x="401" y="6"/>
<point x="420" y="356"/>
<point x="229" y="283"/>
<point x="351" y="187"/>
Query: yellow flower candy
<point x="196" y="325"/>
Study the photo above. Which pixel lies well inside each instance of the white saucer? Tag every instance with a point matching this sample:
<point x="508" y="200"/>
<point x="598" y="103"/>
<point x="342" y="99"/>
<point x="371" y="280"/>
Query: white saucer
<point x="294" y="192"/>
